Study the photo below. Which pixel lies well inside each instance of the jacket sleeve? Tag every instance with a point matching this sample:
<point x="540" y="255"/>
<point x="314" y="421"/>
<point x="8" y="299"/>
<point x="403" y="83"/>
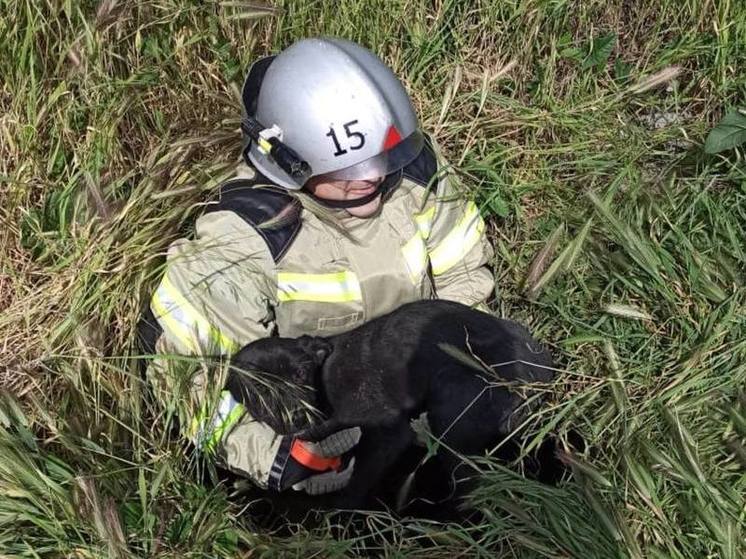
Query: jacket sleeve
<point x="215" y="296"/>
<point x="457" y="246"/>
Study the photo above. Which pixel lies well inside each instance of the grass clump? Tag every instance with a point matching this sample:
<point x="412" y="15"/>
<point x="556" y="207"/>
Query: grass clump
<point x="580" y="128"/>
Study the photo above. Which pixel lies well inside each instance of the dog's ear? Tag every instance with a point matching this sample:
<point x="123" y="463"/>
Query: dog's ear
<point x="320" y="348"/>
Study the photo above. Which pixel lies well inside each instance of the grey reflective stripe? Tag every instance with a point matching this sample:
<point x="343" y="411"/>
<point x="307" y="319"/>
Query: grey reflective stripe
<point x="274" y="481"/>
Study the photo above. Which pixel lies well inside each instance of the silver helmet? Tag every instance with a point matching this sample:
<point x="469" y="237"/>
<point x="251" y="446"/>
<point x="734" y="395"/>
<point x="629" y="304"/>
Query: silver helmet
<point x="338" y="106"/>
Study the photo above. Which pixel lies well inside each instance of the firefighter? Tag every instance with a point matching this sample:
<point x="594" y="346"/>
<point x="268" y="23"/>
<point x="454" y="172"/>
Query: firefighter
<point x="342" y="211"/>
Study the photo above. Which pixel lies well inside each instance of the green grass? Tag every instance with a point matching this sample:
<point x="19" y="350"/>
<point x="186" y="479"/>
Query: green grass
<point x="618" y="240"/>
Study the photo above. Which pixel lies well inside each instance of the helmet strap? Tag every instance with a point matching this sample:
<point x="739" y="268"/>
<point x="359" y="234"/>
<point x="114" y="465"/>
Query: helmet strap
<point x="387" y="185"/>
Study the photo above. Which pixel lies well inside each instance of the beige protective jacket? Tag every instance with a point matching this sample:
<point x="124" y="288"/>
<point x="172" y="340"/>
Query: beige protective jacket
<point x="234" y="282"/>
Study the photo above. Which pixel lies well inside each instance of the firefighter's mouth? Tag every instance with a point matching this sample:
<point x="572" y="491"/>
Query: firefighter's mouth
<point x="360" y="192"/>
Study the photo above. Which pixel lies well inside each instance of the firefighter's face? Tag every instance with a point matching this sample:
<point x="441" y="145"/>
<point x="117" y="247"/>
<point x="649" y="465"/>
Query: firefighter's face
<point x="348" y="190"/>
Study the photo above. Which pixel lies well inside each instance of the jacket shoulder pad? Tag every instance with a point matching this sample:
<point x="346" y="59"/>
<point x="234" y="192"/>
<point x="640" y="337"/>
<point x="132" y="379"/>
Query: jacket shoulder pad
<point x="273" y="213"/>
<point x="423" y="170"/>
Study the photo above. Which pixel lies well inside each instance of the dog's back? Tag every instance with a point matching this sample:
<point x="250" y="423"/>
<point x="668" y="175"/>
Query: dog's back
<point x="436" y="356"/>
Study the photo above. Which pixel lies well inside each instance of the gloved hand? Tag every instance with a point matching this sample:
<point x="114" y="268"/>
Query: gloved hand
<point x="315" y="468"/>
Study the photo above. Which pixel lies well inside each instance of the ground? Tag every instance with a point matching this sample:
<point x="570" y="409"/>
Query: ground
<point x="580" y="129"/>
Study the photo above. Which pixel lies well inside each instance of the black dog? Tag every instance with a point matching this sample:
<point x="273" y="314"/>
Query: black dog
<point x="471" y="372"/>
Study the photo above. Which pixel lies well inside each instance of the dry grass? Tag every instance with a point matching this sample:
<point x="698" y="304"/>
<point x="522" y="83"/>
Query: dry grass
<point x="116" y="121"/>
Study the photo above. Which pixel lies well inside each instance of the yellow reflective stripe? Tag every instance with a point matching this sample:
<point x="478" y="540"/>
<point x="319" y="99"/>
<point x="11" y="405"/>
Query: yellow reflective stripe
<point x="167" y="315"/>
<point x="424" y="222"/>
<point x="186" y="324"/>
<point x="228" y="413"/>
<point x="415" y="255"/>
<point x="337" y="287"/>
<point x="459" y="241"/>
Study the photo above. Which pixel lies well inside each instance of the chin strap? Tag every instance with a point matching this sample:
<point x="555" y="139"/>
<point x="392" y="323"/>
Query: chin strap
<point x="387" y="185"/>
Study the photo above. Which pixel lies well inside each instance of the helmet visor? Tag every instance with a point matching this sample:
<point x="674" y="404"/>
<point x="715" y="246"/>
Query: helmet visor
<point x="384" y="163"/>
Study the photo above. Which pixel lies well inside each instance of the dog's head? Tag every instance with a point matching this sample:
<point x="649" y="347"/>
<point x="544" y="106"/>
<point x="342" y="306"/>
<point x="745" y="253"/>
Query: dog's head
<point x="295" y="360"/>
<point x="274" y="377"/>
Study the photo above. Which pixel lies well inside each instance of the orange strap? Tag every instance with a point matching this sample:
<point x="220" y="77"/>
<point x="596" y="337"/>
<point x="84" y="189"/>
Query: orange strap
<point x="303" y="455"/>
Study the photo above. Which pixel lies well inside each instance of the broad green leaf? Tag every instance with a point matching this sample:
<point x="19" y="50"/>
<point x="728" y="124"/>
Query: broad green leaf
<point x="729" y="133"/>
<point x="600" y="51"/>
<point x="572" y="53"/>
<point x="564" y="40"/>
<point x="498" y="206"/>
